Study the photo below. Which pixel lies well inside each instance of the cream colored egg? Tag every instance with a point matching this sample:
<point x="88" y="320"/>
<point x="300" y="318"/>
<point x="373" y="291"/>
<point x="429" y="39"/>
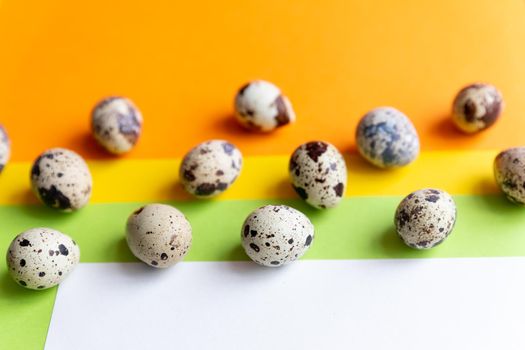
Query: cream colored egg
<point x="276" y="235"/>
<point x="159" y="235"/>
<point x="41" y="258"/>
<point x="260" y="106"/>
<point x="61" y="179"/>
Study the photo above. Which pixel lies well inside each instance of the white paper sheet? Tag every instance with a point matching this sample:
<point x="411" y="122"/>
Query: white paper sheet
<point x="365" y="304"/>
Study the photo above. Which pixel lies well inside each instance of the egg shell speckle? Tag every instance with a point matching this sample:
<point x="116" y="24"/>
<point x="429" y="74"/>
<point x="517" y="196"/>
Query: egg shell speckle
<point x="425" y="218"/>
<point x="318" y="174"/>
<point x="41" y="258"/>
<point x="210" y="168"/>
<point x="275" y="235"/>
<point x="5" y="148"/>
<point x="260" y="106"/>
<point x="159" y="235"/>
<point x="116" y="123"/>
<point x="509" y="171"/>
<point x="387" y="138"/>
<point x="60" y="178"/>
<point x="477" y="107"/>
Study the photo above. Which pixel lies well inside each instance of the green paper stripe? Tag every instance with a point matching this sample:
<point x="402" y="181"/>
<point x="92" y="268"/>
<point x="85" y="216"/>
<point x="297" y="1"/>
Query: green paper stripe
<point x="24" y="315"/>
<point x="361" y="227"/>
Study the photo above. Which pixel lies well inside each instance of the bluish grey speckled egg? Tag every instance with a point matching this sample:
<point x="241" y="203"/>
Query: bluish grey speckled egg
<point x="159" y="235"/>
<point x="275" y="235"/>
<point x="477" y="107"/>
<point x="210" y="168"/>
<point x="5" y="148"/>
<point x="387" y="138"/>
<point x="116" y="123"/>
<point x="260" y="106"/>
<point x="41" y="258"/>
<point x="425" y="218"/>
<point x="509" y="171"/>
<point x="318" y="174"/>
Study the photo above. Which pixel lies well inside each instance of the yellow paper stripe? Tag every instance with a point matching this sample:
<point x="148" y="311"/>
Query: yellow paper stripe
<point x="458" y="172"/>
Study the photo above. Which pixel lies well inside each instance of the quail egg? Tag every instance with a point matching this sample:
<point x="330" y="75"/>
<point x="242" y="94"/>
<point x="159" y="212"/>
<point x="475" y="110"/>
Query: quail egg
<point x="425" y="218"/>
<point x="275" y="235"/>
<point x="477" y="107"/>
<point x="210" y="168"/>
<point x="260" y="106"/>
<point x="5" y="148"/>
<point x="386" y="138"/>
<point x="60" y="178"/>
<point x="509" y="171"/>
<point x="41" y="258"/>
<point x="318" y="174"/>
<point x="116" y="124"/>
<point x="159" y="235"/>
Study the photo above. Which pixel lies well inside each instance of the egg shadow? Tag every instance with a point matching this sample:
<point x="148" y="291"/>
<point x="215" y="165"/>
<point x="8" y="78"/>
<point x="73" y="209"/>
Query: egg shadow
<point x="177" y="192"/>
<point x="237" y="253"/>
<point x="139" y="269"/>
<point x="119" y="251"/>
<point x="9" y="289"/>
<point x="487" y="186"/>
<point x="445" y="129"/>
<point x="359" y="165"/>
<point x="499" y="203"/>
<point x="45" y="213"/>
<point x="250" y="269"/>
<point x="25" y="196"/>
<point x="86" y="145"/>
<point x="350" y="150"/>
<point x="227" y="124"/>
<point x="393" y="246"/>
<point x="283" y="189"/>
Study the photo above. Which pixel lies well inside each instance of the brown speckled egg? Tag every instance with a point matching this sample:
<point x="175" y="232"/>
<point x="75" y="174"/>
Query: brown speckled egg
<point x="159" y="235"/>
<point x="509" y="171"/>
<point x="116" y="123"/>
<point x="318" y="174"/>
<point x="41" y="258"/>
<point x="260" y="106"/>
<point x="275" y="235"/>
<point x="425" y="218"/>
<point x="60" y="178"/>
<point x="5" y="148"/>
<point x="210" y="168"/>
<point x="476" y="107"/>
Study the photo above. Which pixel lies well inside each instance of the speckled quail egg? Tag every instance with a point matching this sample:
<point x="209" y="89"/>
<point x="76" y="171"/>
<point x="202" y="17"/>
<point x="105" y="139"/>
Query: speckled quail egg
<point x="477" y="107"/>
<point x="386" y="138"/>
<point x="509" y="171"/>
<point x="425" y="218"/>
<point x="60" y="178"/>
<point x="260" y="106"/>
<point x="318" y="174"/>
<point x="5" y="148"/>
<point x="210" y="168"/>
<point x="275" y="235"/>
<point x="116" y="124"/>
<point x="41" y="258"/>
<point x="159" y="235"/>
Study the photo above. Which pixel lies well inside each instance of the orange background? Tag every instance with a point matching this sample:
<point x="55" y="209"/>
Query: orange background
<point x="182" y="63"/>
